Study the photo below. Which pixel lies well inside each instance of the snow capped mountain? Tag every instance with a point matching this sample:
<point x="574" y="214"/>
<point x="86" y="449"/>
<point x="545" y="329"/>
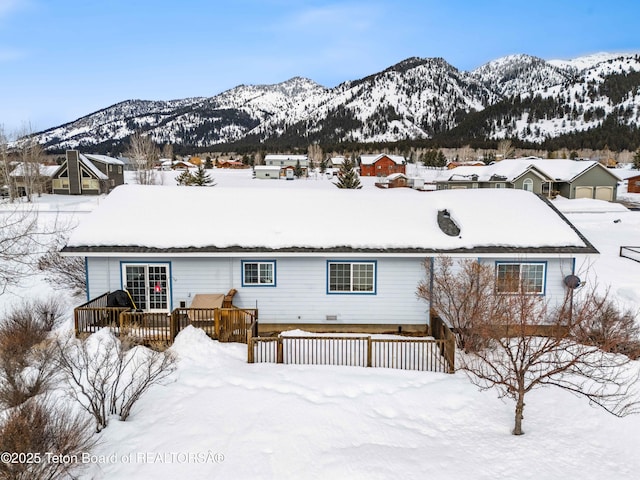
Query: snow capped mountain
<point x="516" y="74"/>
<point x="517" y="96"/>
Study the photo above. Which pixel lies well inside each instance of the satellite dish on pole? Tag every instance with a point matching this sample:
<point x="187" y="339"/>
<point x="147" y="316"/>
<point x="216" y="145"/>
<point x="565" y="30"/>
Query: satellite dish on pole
<point x="572" y="281"/>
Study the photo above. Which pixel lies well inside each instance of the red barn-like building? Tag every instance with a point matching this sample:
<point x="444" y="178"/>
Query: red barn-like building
<point x="381" y="165"/>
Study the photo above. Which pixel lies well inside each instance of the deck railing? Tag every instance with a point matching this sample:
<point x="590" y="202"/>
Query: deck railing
<point x="94" y="315"/>
<point x="363" y="351"/>
<point x="223" y="324"/>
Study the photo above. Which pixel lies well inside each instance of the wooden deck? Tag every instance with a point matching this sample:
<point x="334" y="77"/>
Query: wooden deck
<point x="229" y="324"/>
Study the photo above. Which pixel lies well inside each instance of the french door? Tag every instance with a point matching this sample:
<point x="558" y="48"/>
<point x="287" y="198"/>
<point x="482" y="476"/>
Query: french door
<point x="148" y="285"/>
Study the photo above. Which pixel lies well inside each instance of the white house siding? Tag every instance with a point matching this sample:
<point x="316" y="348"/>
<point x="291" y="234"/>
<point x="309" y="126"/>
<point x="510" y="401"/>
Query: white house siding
<point x="300" y="294"/>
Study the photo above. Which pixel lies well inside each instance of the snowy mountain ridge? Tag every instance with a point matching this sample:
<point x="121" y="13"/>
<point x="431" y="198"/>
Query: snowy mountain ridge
<point x="418" y="98"/>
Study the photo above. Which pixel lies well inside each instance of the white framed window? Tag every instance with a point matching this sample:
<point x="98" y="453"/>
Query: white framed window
<point x="258" y="274"/>
<point x="499" y="185"/>
<point x="351" y="277"/>
<point x="514" y="277"/>
<point x="148" y="285"/>
<point x="527" y="184"/>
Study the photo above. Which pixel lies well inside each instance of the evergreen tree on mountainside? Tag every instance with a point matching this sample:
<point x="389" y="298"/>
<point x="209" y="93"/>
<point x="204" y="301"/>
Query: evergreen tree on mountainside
<point x="347" y="176"/>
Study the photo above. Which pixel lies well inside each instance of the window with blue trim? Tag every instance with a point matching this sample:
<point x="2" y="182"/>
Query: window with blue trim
<point x="356" y="277"/>
<point x="520" y="278"/>
<point x="259" y="274"/>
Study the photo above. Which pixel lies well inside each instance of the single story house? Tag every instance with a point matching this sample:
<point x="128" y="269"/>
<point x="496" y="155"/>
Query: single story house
<point x="568" y="178"/>
<point x="177" y="165"/>
<point x="234" y="164"/>
<point x="353" y="270"/>
<point x="87" y="174"/>
<point x="395" y="180"/>
<point x="335" y="162"/>
<point x="271" y="172"/>
<point x="30" y="177"/>
<point x="381" y="165"/>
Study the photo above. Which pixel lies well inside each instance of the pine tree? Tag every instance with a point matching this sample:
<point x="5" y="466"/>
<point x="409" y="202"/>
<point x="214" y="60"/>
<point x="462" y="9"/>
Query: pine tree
<point x="201" y="178"/>
<point x="185" y="178"/>
<point x="323" y="165"/>
<point x="347" y="176"/>
<point x="297" y="170"/>
<point x="636" y="160"/>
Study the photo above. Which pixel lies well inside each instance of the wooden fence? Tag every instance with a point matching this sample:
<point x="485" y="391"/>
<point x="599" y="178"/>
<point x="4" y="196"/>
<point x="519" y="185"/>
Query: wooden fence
<point x="362" y="351"/>
<point x="223" y="324"/>
<point x="632" y="253"/>
<point x="440" y="331"/>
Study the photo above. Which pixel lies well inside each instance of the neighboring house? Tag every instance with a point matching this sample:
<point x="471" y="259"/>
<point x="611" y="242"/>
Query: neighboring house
<point x="568" y="178"/>
<point x="381" y="165"/>
<point x="395" y="180"/>
<point x="233" y="164"/>
<point x="286" y="160"/>
<point x="87" y="174"/>
<point x="335" y="162"/>
<point x="359" y="270"/>
<point x="168" y="164"/>
<point x="267" y="171"/>
<point x="32" y="178"/>
<point x="633" y="185"/>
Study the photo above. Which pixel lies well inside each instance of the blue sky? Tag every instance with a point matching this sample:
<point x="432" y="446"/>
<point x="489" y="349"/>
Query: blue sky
<point x="62" y="59"/>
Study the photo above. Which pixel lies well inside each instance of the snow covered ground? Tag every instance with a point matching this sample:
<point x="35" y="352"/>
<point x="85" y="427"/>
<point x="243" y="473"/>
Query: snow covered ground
<point x="222" y="418"/>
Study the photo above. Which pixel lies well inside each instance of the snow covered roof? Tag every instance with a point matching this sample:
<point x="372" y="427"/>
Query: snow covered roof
<point x="511" y="169"/>
<point x="89" y="165"/>
<point x="103" y="159"/>
<point x="137" y="219"/>
<point x="284" y="157"/>
<point x="267" y="168"/>
<point x="393" y="176"/>
<point x="43" y="170"/>
<point x="371" y="159"/>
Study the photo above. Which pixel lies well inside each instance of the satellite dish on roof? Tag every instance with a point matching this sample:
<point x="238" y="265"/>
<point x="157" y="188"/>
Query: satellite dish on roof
<point x="572" y="281"/>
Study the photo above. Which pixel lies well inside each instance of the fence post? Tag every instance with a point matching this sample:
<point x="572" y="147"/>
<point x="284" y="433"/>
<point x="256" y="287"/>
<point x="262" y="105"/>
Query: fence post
<point x="250" y="358"/>
<point x="369" y="350"/>
<point x="216" y="323"/>
<point x="451" y="353"/>
<point x="173" y="325"/>
<point x="280" y="355"/>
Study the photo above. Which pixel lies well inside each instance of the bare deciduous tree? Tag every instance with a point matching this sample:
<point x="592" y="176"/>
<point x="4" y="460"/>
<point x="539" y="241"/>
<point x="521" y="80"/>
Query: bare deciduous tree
<point x="6" y="180"/>
<point x="27" y="356"/>
<point x="505" y="149"/>
<point x="18" y="240"/>
<point x="506" y="349"/>
<point x="38" y="431"/>
<point x="66" y="273"/>
<point x="107" y="376"/>
<point x="143" y="153"/>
